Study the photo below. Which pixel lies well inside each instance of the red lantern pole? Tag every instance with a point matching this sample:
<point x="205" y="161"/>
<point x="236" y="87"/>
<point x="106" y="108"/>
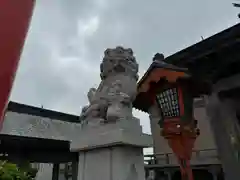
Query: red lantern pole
<point x="181" y="137"/>
<point x="15" y="16"/>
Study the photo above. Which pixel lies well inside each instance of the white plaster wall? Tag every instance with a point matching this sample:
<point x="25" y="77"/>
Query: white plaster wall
<point x="159" y="143"/>
<point x="205" y="140"/>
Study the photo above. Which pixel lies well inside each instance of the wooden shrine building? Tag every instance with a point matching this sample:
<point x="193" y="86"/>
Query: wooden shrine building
<point x="215" y="61"/>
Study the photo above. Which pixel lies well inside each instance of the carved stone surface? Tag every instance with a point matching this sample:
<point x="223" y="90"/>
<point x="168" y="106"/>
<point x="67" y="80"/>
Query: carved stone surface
<point x="112" y="100"/>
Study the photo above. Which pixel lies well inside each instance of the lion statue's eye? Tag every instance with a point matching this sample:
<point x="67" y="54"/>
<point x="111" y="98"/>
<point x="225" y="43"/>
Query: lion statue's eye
<point x="106" y="53"/>
<point x="120" y="51"/>
<point x="129" y="50"/>
<point x="130" y="59"/>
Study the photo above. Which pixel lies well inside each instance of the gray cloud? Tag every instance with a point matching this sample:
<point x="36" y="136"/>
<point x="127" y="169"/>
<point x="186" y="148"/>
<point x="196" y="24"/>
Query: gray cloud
<point x="66" y="41"/>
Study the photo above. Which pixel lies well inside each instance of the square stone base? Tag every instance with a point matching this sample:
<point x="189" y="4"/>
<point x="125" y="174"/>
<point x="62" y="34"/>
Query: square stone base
<point x="127" y="132"/>
<point x="112" y="163"/>
<point x="112" y="151"/>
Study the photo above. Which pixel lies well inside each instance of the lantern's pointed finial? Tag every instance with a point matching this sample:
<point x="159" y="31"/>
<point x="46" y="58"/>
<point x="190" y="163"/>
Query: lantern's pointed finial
<point x="158" y="57"/>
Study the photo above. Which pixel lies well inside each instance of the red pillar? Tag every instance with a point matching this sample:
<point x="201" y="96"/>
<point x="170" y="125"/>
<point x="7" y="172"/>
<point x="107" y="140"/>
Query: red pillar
<point x="15" y="16"/>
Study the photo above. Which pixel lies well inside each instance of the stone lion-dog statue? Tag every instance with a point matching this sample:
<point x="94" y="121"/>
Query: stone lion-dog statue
<point x="112" y="100"/>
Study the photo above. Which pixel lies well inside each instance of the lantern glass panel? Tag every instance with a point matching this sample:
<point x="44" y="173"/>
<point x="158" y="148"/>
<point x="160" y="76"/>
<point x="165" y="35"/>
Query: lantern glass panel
<point x="168" y="102"/>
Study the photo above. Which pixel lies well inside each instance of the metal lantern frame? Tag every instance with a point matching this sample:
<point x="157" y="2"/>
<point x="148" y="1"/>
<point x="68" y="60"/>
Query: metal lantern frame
<point x="168" y="101"/>
<point x="175" y="101"/>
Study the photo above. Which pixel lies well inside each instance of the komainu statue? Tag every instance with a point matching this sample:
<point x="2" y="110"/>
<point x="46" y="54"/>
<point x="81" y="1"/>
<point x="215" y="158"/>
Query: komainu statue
<point x="112" y="100"/>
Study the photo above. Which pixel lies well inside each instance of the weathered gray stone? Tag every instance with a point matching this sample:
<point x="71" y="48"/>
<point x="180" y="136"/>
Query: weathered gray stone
<point x="115" y="163"/>
<point x="113" y="151"/>
<point x="123" y="132"/>
<point x="112" y="101"/>
<point x="112" y="148"/>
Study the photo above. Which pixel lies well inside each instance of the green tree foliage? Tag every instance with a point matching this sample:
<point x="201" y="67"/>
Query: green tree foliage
<point x="10" y="171"/>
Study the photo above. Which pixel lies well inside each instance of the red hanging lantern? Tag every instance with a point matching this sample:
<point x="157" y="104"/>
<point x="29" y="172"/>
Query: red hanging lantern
<point x="173" y="90"/>
<point x="177" y="122"/>
<point x="174" y="96"/>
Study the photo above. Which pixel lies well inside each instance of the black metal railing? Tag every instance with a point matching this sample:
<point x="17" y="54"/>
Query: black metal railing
<point x="165" y="158"/>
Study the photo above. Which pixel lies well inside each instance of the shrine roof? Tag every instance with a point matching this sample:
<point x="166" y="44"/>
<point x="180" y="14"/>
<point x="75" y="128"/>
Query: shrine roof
<point x="217" y="42"/>
<point x="33" y="149"/>
<point x="209" y="60"/>
<point x="41" y="112"/>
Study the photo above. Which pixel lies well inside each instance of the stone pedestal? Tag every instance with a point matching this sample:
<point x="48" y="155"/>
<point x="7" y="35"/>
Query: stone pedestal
<point x="112" y="151"/>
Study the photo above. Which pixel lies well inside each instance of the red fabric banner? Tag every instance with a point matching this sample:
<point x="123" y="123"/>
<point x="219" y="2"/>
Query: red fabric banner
<point x="15" y="16"/>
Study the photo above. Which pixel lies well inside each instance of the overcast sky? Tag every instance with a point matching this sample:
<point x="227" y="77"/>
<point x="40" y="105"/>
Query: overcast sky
<point x="67" y="38"/>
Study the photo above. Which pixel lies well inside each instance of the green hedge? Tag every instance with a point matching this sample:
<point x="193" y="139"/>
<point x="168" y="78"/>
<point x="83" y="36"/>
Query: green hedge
<point x="10" y="171"/>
